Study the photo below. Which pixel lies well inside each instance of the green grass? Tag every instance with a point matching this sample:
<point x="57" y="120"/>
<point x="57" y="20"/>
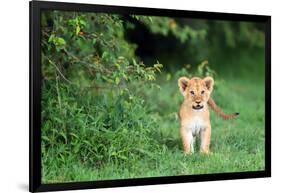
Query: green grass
<point x="236" y="145"/>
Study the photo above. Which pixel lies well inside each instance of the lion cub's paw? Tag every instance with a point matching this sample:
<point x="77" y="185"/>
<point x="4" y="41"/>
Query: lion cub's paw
<point x="187" y="153"/>
<point x="206" y="152"/>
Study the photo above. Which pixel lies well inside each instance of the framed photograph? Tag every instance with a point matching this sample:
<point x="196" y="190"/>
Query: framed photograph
<point x="126" y="96"/>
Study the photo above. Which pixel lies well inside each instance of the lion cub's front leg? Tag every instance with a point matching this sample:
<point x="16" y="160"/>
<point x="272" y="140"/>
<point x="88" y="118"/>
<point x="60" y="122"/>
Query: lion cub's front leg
<point x="205" y="136"/>
<point x="187" y="140"/>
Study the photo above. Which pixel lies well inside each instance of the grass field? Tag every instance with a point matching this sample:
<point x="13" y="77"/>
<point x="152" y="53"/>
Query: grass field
<point x="236" y="145"/>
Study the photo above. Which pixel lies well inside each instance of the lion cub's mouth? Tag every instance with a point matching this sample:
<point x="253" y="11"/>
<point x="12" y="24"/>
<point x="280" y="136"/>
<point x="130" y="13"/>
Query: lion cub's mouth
<point x="197" y="107"/>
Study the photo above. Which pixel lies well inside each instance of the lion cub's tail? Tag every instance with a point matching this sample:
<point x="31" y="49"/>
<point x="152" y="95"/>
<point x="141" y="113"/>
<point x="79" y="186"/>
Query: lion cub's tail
<point x="219" y="112"/>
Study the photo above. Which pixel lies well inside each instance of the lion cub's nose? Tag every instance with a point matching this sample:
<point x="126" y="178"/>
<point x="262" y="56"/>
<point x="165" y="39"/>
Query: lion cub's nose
<point x="198" y="102"/>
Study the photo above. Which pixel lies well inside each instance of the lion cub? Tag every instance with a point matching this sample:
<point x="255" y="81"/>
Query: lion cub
<point x="194" y="112"/>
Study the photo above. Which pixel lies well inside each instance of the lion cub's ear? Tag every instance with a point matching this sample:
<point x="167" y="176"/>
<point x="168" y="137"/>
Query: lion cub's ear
<point x="182" y="82"/>
<point x="209" y="81"/>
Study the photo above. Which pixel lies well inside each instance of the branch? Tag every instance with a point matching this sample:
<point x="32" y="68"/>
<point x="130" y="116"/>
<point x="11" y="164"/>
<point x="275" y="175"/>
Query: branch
<point x="60" y="73"/>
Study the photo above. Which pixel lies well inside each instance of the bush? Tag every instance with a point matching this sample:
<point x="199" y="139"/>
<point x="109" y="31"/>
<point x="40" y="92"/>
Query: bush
<point x="89" y="110"/>
<point x="96" y="129"/>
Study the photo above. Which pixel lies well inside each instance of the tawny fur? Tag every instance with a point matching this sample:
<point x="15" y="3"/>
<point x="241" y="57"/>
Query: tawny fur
<point x="194" y="112"/>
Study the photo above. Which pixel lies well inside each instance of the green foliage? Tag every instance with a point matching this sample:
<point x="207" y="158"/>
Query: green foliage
<point x="166" y="25"/>
<point x="99" y="56"/>
<point x="87" y="127"/>
<point x="202" y="70"/>
<point x="89" y="110"/>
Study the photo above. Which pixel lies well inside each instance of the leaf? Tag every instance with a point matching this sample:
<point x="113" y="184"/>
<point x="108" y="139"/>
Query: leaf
<point x="51" y="38"/>
<point x="122" y="157"/>
<point x="117" y="80"/>
<point x="61" y="41"/>
<point x="82" y="22"/>
<point x="168" y="76"/>
<point x="45" y="138"/>
<point x="74" y="135"/>
<point x="94" y="41"/>
<point x="77" y="29"/>
<point x="64" y="136"/>
<point x="87" y="143"/>
<point x="104" y="54"/>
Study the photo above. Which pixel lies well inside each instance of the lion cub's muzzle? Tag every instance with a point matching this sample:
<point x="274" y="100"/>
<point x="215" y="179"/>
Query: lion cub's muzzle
<point x="197" y="106"/>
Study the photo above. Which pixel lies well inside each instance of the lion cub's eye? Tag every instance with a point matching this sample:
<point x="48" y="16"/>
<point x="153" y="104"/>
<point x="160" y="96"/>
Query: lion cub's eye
<point x="192" y="92"/>
<point x="202" y="92"/>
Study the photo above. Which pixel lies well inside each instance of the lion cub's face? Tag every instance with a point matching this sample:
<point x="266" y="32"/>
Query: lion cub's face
<point x="196" y="91"/>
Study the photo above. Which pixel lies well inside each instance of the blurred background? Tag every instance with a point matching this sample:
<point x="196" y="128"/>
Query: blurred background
<point x="230" y="47"/>
<point x="110" y="96"/>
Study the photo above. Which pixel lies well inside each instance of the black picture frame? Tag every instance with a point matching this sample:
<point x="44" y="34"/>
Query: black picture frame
<point x="35" y="9"/>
